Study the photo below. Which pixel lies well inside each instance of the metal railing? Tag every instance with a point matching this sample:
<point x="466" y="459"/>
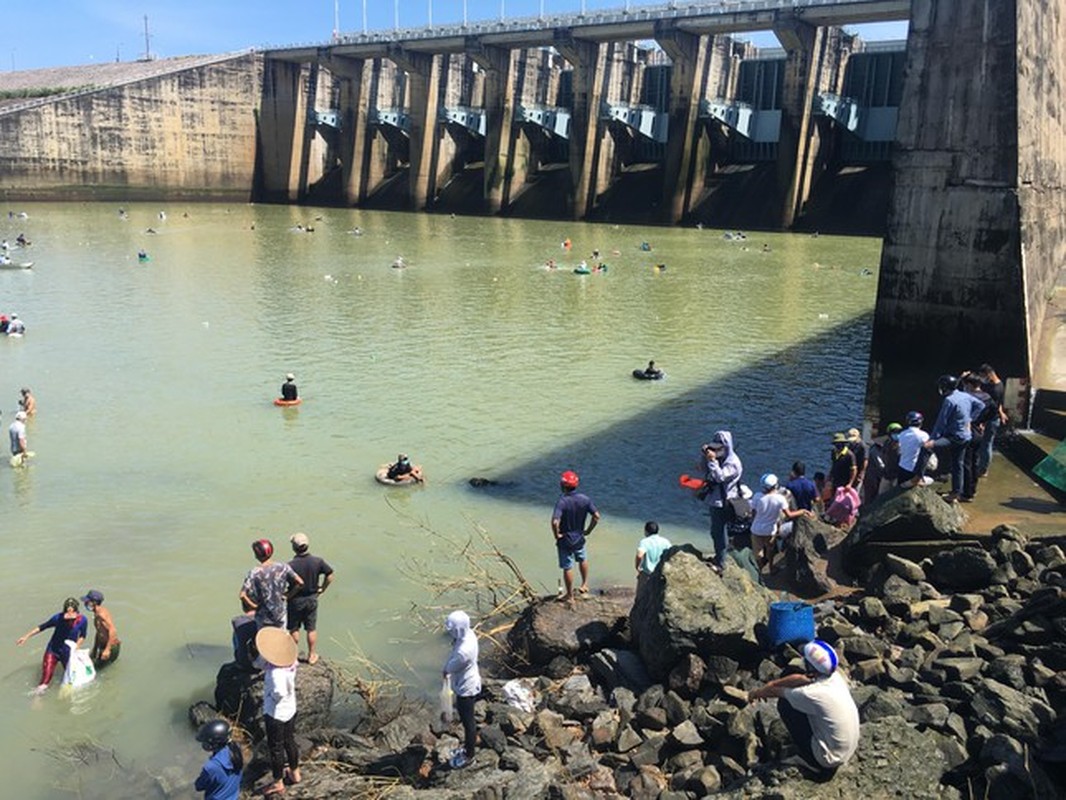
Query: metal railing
<point x="669" y="10"/>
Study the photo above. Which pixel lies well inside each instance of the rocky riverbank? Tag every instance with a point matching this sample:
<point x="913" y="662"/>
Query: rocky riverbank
<point x="957" y="663"/>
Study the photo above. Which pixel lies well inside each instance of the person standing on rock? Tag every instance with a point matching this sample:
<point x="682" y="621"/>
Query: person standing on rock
<point x="461" y="667"/>
<point x="801" y="487"/>
<point x="303" y="606"/>
<point x="817" y="708"/>
<point x="277" y="659"/>
<point x="723" y="470"/>
<point x="267" y="587"/>
<point x="996" y="389"/>
<point x="912" y="454"/>
<point x="953" y="431"/>
<point x="572" y="510"/>
<point x="649" y="550"/>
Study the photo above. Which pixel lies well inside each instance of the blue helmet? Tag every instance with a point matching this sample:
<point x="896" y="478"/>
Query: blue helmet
<point x="914" y="419"/>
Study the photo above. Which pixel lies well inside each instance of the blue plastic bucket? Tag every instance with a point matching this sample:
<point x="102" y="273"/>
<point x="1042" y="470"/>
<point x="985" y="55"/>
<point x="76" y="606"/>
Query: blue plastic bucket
<point x="791" y="622"/>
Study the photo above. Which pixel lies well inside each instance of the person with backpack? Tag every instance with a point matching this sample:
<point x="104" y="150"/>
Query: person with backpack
<point x="723" y="470"/>
<point x="220" y="778"/>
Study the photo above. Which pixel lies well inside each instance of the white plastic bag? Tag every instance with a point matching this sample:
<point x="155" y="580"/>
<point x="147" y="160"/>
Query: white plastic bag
<point x="518" y="694"/>
<point x="447" y="701"/>
<point x="80" y="669"/>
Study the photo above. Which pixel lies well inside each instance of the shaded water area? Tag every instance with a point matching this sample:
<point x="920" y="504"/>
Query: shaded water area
<point x="160" y="456"/>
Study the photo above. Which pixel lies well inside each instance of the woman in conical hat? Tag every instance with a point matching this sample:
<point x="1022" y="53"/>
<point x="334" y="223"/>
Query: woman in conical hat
<point x="277" y="657"/>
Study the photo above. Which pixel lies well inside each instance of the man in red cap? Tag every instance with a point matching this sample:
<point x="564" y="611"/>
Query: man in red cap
<point x="572" y="510"/>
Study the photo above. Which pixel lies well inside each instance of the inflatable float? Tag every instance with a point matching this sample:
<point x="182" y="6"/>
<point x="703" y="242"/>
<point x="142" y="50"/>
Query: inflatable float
<point x="414" y="478"/>
<point x="641" y="375"/>
<point x="691" y="482"/>
<point x="280" y="402"/>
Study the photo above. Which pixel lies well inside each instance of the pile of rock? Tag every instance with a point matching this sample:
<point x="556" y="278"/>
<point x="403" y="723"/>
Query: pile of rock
<point x="958" y="666"/>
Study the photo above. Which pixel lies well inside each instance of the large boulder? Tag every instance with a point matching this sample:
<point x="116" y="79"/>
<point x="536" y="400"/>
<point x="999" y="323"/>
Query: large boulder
<point x="239" y="696"/>
<point x="899" y="515"/>
<point x="686" y="607"/>
<point x="893" y="760"/>
<point x="963" y="569"/>
<point x="548" y="628"/>
<point x="806" y="554"/>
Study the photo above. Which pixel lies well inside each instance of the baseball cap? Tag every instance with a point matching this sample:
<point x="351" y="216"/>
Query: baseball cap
<point x="820" y="656"/>
<point x="290" y="377"/>
<point x="21" y="415"/>
<point x="300" y="541"/>
<point x="93" y="596"/>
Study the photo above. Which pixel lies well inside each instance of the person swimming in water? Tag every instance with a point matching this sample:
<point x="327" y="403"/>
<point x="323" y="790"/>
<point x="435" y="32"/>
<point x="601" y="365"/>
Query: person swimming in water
<point x="403" y="470"/>
<point x="652" y="371"/>
<point x="289" y="392"/>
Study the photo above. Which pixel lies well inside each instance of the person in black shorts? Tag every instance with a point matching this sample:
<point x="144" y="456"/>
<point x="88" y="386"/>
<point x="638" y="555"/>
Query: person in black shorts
<point x="303" y="606"/>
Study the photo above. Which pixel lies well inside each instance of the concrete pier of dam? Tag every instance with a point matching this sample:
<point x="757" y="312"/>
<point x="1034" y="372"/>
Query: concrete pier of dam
<point x="950" y="144"/>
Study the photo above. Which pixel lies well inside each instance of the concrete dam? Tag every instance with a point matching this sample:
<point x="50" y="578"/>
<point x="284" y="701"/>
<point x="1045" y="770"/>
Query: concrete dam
<point x="950" y="144"/>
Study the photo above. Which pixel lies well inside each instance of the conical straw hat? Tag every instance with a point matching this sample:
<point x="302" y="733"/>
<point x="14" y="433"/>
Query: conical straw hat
<point x="276" y="646"/>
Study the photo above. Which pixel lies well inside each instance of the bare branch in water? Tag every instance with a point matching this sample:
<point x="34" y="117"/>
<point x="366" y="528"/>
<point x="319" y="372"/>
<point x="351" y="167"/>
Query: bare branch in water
<point x="486" y="578"/>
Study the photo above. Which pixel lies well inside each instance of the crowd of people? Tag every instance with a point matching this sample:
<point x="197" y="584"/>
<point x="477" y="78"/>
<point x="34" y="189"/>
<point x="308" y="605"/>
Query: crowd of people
<point x="279" y="598"/>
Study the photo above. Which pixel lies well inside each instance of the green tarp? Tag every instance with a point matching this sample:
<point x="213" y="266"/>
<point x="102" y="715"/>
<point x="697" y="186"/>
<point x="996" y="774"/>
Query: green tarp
<point x="1053" y="468"/>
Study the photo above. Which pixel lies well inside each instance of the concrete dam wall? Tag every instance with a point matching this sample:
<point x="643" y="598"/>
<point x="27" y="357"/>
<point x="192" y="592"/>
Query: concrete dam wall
<point x="176" y="128"/>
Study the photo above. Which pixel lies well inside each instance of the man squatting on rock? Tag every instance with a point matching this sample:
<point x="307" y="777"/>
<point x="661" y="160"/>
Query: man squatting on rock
<point x="817" y="708"/>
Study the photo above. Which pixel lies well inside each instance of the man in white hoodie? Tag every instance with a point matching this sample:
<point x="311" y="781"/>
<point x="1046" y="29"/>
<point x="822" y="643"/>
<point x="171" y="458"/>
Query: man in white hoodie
<point x="461" y="667"/>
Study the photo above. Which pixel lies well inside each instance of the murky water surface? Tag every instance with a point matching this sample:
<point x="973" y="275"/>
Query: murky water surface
<point x="160" y="456"/>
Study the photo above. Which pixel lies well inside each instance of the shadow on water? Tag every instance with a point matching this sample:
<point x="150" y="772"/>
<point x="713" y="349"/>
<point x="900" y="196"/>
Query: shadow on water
<point x="781" y="408"/>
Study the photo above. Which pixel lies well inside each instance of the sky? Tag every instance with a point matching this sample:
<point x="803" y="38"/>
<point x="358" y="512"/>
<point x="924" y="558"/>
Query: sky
<point x="66" y="32"/>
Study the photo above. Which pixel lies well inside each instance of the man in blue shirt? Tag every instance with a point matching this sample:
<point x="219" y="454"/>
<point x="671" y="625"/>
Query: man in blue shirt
<point x="953" y="431"/>
<point x="801" y="487"/>
<point x="568" y="526"/>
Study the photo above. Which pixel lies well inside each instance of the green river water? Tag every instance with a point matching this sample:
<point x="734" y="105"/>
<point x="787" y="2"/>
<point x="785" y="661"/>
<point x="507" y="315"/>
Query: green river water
<point x="160" y="456"/>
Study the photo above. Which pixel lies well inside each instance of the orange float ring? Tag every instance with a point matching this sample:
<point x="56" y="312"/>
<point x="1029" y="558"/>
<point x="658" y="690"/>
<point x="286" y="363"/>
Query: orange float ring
<point x="279" y="402"/>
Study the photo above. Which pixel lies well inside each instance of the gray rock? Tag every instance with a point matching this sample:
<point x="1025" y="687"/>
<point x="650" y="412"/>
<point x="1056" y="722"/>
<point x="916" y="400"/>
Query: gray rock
<point x="893" y="760"/>
<point x="548" y="629"/>
<point x="1007" y="710"/>
<point x="677" y="709"/>
<point x="806" y="567"/>
<point x="687" y="608"/>
<point x="899" y="515"/>
<point x="904" y="568"/>
<point x="966" y="602"/>
<point x="239" y="696"/>
<point x="962" y="569"/>
<point x="627" y="740"/>
<point x="687" y="675"/>
<point x="871" y="609"/>
<point x="878" y="706"/>
<point x="648" y="751"/>
<point x="686" y="735"/>
<point x="706" y="781"/>
<point x="934" y="715"/>
<point x="960" y="669"/>
<point x="616" y="668"/>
